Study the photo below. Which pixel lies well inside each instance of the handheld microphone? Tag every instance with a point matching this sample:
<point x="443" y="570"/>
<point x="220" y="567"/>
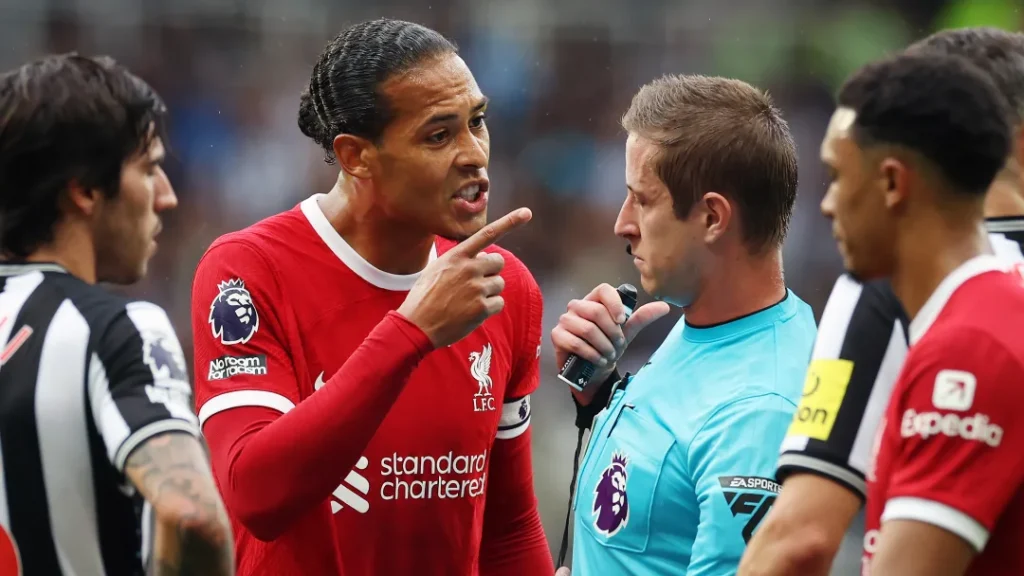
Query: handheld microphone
<point x="577" y="372"/>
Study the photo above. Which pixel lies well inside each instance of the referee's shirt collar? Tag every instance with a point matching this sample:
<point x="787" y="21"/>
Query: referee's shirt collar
<point x="781" y="311"/>
<point x="937" y="301"/>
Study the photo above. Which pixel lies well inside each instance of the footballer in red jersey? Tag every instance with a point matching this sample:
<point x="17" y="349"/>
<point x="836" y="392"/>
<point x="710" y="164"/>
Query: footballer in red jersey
<point x="912" y="149"/>
<point x="952" y="451"/>
<point x="363" y="381"/>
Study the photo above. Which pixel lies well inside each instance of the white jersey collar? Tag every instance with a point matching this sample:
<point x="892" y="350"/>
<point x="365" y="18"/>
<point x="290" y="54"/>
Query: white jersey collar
<point x="398" y="282"/>
<point x="937" y="301"/>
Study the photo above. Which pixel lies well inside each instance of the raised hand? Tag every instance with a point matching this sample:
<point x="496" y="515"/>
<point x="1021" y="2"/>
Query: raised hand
<point x="462" y="288"/>
<point x="595" y="329"/>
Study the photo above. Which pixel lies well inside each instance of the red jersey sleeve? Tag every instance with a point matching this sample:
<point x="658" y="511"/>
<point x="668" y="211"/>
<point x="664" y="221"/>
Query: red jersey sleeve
<point x="959" y="458"/>
<point x="526" y="307"/>
<point x="276" y="458"/>
<point x="237" y="327"/>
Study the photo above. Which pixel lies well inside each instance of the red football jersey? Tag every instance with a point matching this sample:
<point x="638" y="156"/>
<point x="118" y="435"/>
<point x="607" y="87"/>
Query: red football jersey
<point x="277" y="309"/>
<point x="950" y="451"/>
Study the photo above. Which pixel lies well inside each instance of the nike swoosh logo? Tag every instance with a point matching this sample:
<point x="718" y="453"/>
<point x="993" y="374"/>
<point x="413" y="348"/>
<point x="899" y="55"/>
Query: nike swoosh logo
<point x="319" y="382"/>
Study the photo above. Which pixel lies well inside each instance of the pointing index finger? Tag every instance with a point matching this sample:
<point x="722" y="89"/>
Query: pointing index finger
<point x="494" y="231"/>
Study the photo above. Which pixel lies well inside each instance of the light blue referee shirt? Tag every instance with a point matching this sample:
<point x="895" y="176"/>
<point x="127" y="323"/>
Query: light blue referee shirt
<point x="680" y="468"/>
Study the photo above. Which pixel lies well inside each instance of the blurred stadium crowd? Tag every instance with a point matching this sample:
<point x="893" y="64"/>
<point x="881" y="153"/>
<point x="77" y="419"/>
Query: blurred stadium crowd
<point x="559" y="76"/>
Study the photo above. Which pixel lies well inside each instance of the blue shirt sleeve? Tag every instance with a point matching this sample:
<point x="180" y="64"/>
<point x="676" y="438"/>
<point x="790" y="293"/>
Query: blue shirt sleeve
<point x="732" y="464"/>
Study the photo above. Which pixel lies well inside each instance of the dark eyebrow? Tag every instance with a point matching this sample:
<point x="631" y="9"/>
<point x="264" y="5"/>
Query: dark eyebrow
<point x="441" y="118"/>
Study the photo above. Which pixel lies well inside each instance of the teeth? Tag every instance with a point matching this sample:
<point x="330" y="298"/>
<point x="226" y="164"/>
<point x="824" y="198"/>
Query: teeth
<point x="469" y="192"/>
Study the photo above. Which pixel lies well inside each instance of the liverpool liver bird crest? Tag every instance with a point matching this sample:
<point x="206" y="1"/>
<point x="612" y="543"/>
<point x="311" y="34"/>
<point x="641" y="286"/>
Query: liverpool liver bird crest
<point x="480" y="370"/>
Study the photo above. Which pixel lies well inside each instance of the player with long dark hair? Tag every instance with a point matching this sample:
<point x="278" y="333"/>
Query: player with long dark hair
<point x="97" y="432"/>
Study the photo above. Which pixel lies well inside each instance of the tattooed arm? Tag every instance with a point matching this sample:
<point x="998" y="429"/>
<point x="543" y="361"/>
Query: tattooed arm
<point x="192" y="531"/>
<point x="142" y="406"/>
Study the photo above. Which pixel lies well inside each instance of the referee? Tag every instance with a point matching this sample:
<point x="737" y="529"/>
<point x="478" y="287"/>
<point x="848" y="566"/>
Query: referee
<point x="97" y="433"/>
<point x="676" y="476"/>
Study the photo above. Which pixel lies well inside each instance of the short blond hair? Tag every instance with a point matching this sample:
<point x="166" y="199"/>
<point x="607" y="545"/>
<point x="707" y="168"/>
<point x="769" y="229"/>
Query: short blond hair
<point x="721" y="135"/>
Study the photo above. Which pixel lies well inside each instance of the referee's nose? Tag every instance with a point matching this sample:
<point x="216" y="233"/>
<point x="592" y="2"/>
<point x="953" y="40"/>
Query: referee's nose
<point x="626" y="225"/>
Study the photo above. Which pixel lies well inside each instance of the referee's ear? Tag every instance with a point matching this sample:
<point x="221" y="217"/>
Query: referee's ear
<point x="716" y="213"/>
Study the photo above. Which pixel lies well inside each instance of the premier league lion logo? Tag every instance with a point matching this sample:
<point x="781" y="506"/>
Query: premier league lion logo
<point x="162" y="357"/>
<point x="611" y="509"/>
<point x="233" y="317"/>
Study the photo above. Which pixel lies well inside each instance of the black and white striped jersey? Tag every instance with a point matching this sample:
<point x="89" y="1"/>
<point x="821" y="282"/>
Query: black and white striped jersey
<point x="85" y="378"/>
<point x="857" y="358"/>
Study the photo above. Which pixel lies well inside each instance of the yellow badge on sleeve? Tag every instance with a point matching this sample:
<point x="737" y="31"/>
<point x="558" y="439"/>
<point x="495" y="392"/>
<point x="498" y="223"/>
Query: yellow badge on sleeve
<point x="824" y="389"/>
